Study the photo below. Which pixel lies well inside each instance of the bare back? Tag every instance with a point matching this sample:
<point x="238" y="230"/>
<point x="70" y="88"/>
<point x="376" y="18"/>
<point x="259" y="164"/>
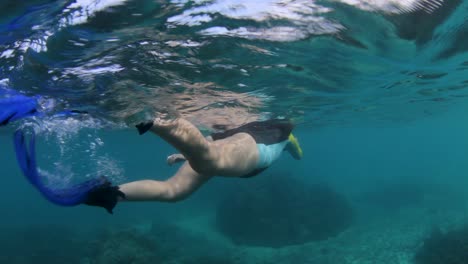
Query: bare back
<point x="236" y="156"/>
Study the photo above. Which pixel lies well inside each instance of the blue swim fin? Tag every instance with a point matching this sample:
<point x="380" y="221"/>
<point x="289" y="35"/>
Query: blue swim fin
<point x="96" y="192"/>
<point x="17" y="107"/>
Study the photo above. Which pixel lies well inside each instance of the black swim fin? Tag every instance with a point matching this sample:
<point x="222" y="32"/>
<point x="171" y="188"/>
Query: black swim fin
<point x="105" y="196"/>
<point x="144" y="127"/>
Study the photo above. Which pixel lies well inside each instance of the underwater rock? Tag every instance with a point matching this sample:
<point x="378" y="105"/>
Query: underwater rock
<point x="154" y="242"/>
<point x="448" y="248"/>
<point x="280" y="211"/>
<point x="124" y="247"/>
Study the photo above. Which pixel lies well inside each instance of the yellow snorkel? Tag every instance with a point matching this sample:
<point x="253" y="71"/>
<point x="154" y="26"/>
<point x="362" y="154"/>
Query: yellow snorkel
<point x="295" y="148"/>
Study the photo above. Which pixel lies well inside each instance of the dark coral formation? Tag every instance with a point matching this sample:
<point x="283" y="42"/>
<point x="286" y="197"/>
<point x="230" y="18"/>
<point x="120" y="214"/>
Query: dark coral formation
<point x="280" y="211"/>
<point x="444" y="247"/>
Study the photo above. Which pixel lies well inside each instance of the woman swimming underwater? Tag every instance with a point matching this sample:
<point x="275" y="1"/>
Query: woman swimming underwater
<point x="244" y="151"/>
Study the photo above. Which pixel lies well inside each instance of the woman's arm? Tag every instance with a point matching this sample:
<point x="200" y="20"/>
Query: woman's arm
<point x="174" y="189"/>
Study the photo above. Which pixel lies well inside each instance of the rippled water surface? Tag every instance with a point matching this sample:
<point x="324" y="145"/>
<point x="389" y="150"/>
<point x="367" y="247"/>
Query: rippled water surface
<point x="232" y="61"/>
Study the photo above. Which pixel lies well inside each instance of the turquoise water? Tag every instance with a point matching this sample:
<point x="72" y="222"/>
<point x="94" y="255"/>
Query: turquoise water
<point x="376" y="88"/>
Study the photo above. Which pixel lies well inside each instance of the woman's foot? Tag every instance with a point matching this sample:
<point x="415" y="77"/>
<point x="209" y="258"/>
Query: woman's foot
<point x="144" y="127"/>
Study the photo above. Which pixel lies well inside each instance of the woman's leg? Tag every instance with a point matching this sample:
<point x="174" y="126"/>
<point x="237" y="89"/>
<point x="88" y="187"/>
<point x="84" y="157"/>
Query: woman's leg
<point x="176" y="158"/>
<point x="186" y="138"/>
<point x="176" y="188"/>
<point x="233" y="156"/>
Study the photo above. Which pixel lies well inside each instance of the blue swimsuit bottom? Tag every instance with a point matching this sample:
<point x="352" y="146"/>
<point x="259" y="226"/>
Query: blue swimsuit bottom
<point x="269" y="153"/>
